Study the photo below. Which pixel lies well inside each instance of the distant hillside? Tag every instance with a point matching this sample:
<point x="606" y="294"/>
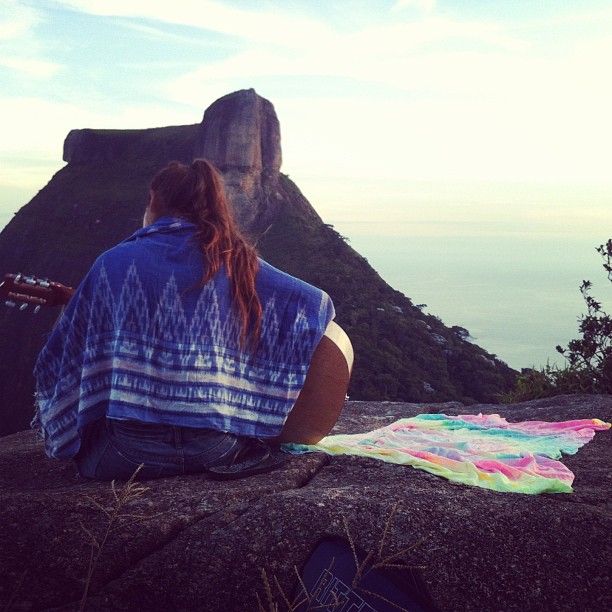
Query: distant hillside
<point x="98" y="199"/>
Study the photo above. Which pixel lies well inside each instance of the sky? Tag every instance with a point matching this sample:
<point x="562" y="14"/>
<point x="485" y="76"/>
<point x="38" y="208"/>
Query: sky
<point x="463" y="146"/>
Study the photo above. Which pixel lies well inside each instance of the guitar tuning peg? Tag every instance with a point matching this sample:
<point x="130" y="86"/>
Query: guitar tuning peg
<point x="37" y="309"/>
<point x="23" y="306"/>
<point x="10" y="303"/>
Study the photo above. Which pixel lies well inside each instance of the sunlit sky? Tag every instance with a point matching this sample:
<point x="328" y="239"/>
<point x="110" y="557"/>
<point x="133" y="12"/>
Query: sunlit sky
<point x="432" y="117"/>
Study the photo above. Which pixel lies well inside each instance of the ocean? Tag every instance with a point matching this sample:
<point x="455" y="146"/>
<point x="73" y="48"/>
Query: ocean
<point x="504" y="261"/>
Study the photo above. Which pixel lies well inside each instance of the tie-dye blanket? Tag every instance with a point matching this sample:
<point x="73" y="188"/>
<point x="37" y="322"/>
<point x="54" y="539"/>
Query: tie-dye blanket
<point x="481" y="450"/>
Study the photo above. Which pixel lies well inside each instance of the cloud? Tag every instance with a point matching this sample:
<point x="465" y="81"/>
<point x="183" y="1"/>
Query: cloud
<point x="20" y="50"/>
<point x="438" y="97"/>
<point x="269" y="27"/>
<point x="31" y="67"/>
<point x="35" y="124"/>
<point x="427" y="6"/>
<point x="16" y="20"/>
<point x="404" y="57"/>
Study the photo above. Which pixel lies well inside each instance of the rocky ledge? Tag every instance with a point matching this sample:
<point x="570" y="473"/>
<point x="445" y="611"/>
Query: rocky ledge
<point x="194" y="544"/>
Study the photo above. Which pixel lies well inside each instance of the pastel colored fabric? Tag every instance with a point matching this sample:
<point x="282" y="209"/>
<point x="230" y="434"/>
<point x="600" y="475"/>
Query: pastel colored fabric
<point x="480" y="450"/>
<point x="141" y="340"/>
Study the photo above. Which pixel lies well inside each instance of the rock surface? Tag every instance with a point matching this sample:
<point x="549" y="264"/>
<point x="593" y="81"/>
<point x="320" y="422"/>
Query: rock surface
<point x="202" y="544"/>
<point x="240" y="133"/>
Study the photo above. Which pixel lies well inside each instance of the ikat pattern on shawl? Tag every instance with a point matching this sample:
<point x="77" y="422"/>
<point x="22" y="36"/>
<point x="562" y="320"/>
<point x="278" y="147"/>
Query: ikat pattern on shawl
<point x="130" y="348"/>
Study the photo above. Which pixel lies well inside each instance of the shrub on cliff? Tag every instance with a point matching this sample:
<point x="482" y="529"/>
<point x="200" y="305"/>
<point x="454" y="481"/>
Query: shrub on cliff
<point x="589" y="358"/>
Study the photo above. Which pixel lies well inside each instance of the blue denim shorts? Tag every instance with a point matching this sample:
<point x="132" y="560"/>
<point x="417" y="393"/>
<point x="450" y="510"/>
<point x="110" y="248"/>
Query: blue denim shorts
<point x="113" y="449"/>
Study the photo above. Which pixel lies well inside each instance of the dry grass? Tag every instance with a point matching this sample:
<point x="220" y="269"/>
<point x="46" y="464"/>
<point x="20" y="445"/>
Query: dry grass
<point x="117" y="517"/>
<point x="276" y="600"/>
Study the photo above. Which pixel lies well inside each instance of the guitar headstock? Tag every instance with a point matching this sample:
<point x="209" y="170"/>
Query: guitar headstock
<point x="22" y="290"/>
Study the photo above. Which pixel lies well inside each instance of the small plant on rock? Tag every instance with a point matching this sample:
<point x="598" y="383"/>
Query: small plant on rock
<point x="276" y="600"/>
<point x="117" y="516"/>
<point x="589" y="358"/>
<point x="592" y="354"/>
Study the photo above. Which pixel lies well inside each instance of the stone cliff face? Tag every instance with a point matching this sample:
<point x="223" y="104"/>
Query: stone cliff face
<point x="107" y="147"/>
<point x="99" y="197"/>
<point x="241" y="135"/>
<point x="192" y="544"/>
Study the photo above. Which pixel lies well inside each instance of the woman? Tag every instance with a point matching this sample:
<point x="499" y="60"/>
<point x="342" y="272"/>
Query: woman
<point x="180" y="350"/>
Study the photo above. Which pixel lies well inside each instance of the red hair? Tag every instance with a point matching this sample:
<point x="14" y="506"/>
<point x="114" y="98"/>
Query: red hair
<point x="196" y="193"/>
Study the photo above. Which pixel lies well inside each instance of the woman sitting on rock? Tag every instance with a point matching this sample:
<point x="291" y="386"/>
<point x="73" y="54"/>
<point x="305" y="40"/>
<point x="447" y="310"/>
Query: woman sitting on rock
<point x="181" y="350"/>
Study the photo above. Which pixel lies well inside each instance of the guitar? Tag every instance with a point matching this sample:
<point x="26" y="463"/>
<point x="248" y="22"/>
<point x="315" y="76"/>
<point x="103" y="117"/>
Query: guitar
<point x="29" y="290"/>
<point x="320" y="401"/>
<point x="322" y="397"/>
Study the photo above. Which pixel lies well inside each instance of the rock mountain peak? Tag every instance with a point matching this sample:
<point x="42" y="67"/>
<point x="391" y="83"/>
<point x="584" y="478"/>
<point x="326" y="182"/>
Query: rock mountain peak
<point x="239" y="133"/>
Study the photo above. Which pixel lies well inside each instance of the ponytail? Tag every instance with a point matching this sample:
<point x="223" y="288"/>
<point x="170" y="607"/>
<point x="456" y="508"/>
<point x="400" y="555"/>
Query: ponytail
<point x="196" y="193"/>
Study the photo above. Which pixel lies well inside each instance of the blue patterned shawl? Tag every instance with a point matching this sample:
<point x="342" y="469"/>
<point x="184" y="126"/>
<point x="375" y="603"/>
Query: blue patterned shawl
<point x="140" y="340"/>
